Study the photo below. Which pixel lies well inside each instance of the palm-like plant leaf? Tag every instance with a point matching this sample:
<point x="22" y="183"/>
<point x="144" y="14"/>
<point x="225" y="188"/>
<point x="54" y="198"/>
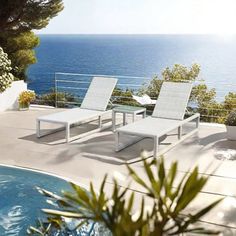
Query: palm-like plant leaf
<point x="170" y="201"/>
<point x="170" y="198"/>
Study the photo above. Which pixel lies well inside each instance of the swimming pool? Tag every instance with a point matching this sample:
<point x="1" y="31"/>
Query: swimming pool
<point x="21" y="203"/>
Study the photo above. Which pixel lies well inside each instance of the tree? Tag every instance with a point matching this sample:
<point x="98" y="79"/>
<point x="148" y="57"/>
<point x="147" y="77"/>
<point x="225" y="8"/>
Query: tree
<point x="19" y="49"/>
<point x="17" y="16"/>
<point x="201" y="96"/>
<point x="6" y="76"/>
<point x="17" y="19"/>
<point x="230" y="101"/>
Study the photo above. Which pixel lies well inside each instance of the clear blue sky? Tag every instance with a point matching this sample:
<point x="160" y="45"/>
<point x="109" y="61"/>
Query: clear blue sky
<point x="145" y="17"/>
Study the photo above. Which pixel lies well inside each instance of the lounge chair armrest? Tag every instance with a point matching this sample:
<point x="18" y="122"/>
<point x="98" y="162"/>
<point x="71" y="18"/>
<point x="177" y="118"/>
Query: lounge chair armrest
<point x="193" y="117"/>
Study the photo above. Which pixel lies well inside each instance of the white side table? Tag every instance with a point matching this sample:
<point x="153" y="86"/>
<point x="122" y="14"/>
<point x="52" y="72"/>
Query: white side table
<point x="134" y="111"/>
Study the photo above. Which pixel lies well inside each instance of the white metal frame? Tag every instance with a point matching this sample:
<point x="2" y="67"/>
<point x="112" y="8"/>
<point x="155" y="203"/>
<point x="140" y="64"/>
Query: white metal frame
<point x="67" y="125"/>
<point x="92" y="108"/>
<point x="156" y="138"/>
<point x="167" y="116"/>
<point x="140" y="111"/>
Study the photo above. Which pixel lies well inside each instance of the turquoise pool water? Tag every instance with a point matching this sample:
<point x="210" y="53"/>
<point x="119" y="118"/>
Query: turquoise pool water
<point x="21" y="203"/>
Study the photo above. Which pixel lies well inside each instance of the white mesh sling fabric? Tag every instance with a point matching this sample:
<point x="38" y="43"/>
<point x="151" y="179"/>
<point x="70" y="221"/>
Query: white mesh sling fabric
<point x="99" y="93"/>
<point x="172" y="100"/>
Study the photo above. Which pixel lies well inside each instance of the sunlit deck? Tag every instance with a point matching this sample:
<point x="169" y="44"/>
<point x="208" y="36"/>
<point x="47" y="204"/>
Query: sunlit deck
<point x="89" y="158"/>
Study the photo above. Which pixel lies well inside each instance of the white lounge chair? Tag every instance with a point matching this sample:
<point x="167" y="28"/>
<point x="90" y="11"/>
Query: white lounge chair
<point x="167" y="116"/>
<point x="92" y="108"/>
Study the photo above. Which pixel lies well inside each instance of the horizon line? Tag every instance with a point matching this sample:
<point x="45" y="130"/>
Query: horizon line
<point x="131" y="34"/>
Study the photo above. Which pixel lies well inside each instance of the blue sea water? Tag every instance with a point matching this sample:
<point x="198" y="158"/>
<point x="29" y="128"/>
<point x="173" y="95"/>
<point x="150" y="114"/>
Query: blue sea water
<point x="134" y="55"/>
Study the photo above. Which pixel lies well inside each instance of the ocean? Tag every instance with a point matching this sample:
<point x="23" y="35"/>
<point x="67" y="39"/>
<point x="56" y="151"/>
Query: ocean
<point x="134" y="55"/>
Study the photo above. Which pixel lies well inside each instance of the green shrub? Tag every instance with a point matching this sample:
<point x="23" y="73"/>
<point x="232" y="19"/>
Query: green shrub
<point x="231" y="119"/>
<point x="230" y="101"/>
<point x="6" y="77"/>
<point x="123" y="97"/>
<point x="59" y="99"/>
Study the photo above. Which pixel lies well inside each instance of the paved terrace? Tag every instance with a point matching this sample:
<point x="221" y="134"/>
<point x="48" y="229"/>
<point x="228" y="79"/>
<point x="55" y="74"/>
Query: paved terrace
<point x="88" y="159"/>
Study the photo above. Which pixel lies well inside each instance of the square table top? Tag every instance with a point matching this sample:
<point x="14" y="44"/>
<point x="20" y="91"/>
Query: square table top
<point x="128" y="109"/>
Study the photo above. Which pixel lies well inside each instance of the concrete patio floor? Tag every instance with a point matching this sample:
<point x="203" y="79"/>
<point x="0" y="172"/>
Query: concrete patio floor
<point x="90" y="158"/>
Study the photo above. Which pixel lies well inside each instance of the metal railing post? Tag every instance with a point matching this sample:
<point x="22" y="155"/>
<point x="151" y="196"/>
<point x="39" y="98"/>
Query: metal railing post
<point x="55" y="81"/>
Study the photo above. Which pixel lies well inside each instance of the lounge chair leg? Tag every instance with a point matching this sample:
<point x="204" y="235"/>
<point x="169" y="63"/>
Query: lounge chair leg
<point x="38" y="128"/>
<point x="180" y="130"/>
<point x="156" y="147"/>
<point x="67" y="133"/>
<point x="133" y="118"/>
<point x="113" y="121"/>
<point x="197" y="122"/>
<point x="124" y="119"/>
<point x="99" y="122"/>
<point x="117" y="137"/>
<point x="144" y="114"/>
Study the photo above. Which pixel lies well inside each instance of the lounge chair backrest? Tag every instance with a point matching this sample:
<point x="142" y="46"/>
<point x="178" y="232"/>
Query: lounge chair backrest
<point x="172" y="100"/>
<point x="99" y="93"/>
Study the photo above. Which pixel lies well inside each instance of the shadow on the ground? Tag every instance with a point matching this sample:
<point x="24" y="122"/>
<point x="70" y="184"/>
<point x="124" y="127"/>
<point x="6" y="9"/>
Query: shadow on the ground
<point x="225" y="144"/>
<point x="102" y="148"/>
<point x="59" y="137"/>
<point x="210" y="139"/>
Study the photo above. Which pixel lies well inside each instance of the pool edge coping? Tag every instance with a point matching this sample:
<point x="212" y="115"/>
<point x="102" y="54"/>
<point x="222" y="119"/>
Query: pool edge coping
<point x="67" y="179"/>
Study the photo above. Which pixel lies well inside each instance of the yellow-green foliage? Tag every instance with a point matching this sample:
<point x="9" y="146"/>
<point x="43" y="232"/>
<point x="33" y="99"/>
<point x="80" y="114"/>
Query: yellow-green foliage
<point x="231" y="119"/>
<point x="17" y="20"/>
<point x="230" y="101"/>
<point x="26" y="97"/>
<point x="20" y="51"/>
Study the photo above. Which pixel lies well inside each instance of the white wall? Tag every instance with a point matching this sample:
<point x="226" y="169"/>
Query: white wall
<point x="9" y="98"/>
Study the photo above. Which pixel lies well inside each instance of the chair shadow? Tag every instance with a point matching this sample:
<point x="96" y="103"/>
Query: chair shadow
<point x="210" y="141"/>
<point x="213" y="138"/>
<point x="58" y="137"/>
<point x="96" y="148"/>
<point x="225" y="144"/>
<point x="103" y="149"/>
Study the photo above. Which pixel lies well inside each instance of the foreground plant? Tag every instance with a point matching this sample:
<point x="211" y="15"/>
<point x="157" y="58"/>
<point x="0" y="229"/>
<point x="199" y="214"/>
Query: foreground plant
<point x="170" y="199"/>
<point x="116" y="212"/>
